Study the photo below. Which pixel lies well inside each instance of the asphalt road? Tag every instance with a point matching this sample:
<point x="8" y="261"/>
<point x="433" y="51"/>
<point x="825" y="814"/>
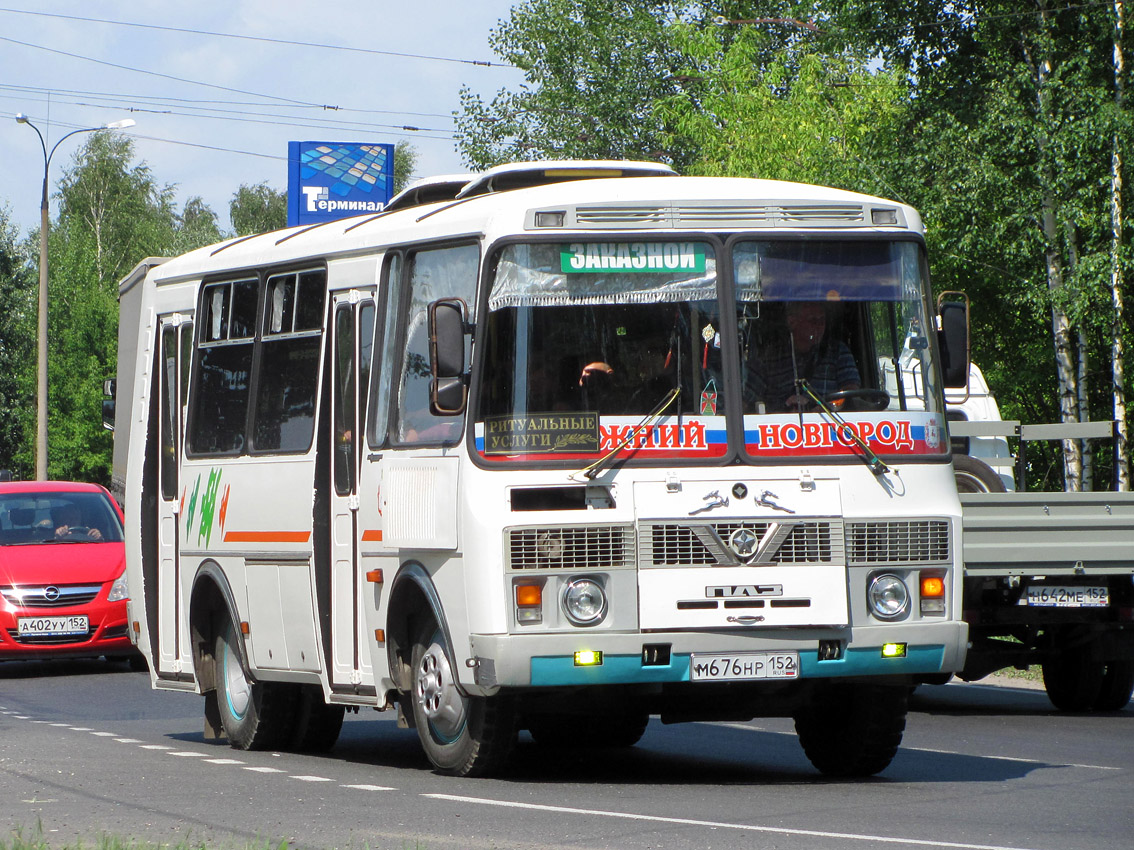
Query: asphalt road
<point x="87" y="749"/>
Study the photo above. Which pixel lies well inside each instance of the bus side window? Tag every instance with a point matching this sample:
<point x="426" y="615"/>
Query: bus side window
<point x="446" y="272"/>
<point x="224" y="367"/>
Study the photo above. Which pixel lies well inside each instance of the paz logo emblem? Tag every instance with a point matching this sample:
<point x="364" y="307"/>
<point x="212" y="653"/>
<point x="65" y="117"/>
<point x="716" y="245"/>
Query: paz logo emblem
<point x="743" y="543"/>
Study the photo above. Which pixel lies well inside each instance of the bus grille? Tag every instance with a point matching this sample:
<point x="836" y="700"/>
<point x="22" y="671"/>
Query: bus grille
<point x="706" y="544"/>
<point x="719" y="215"/>
<point x="603" y="547"/>
<point x="898" y="542"/>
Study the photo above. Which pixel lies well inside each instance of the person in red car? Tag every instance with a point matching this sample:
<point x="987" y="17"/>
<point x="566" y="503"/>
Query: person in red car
<point x="68" y="521"/>
<point x="63" y="585"/>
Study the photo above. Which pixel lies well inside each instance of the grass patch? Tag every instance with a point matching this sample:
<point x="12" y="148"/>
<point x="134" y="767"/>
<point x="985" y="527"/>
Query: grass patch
<point x="1031" y="674"/>
<point x="18" y="839"/>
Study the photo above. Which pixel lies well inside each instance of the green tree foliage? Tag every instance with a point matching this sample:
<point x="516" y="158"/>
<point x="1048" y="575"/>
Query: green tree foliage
<point x="1007" y="154"/>
<point x="754" y="110"/>
<point x="257" y="209"/>
<point x="593" y="71"/>
<point x="112" y="213"/>
<point x="405" y="162"/>
<point x="17" y="322"/>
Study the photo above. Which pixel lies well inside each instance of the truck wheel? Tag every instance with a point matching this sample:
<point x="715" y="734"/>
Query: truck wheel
<point x="1073" y="682"/>
<point x="853" y="729"/>
<point x="976" y="476"/>
<point x="1117" y="686"/>
<point x="586" y="731"/>
<point x="461" y="735"/>
<point x="317" y="724"/>
<point x="254" y="715"/>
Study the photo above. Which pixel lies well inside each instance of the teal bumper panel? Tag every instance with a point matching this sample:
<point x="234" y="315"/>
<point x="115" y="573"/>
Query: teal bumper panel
<point x="560" y="671"/>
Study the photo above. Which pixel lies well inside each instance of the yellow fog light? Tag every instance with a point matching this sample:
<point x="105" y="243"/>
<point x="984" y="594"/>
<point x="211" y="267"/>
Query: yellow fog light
<point x="588" y="658"/>
<point x="893" y="650"/>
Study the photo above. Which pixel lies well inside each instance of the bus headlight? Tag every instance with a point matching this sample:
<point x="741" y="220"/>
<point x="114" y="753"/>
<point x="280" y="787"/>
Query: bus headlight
<point x="584" y="601"/>
<point x="888" y="596"/>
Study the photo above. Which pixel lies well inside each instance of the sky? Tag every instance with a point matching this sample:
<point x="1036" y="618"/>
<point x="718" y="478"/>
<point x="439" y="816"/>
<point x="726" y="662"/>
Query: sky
<point x="214" y="112"/>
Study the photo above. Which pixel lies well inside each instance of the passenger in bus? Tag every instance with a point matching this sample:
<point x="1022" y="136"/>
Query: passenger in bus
<point x="804" y="352"/>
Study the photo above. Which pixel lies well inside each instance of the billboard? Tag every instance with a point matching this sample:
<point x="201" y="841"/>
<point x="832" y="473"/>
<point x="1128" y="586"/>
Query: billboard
<point x="329" y="180"/>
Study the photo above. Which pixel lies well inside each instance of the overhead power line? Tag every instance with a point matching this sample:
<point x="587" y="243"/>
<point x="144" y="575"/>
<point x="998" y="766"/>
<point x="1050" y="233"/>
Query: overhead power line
<point x="264" y="39"/>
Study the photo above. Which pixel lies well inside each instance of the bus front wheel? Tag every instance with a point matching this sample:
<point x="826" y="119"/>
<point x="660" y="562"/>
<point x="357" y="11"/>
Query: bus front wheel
<point x="461" y="735"/>
<point x="254" y="715"/>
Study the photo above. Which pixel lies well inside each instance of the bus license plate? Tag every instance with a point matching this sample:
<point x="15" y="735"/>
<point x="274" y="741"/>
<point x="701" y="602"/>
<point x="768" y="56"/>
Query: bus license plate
<point x="1059" y="596"/>
<point x="740" y="666"/>
<point x="75" y="624"/>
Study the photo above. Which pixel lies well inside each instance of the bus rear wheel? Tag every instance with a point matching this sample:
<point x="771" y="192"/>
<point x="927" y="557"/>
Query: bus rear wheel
<point x="853" y="729"/>
<point x="461" y="735"/>
<point x="254" y="715"/>
<point x="317" y="724"/>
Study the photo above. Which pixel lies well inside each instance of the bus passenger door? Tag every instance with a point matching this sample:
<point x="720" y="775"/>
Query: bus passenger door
<point x="174" y="657"/>
<point x="353" y="346"/>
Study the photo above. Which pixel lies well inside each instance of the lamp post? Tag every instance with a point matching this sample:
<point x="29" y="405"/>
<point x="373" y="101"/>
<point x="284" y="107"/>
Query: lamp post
<point x="41" y="333"/>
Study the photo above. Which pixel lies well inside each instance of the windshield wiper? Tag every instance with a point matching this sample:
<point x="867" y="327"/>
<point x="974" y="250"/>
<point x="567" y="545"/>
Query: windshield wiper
<point x="877" y="466"/>
<point x="647" y="422"/>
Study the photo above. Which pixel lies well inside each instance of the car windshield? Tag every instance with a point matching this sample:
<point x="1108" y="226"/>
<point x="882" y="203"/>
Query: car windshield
<point x="58" y="517"/>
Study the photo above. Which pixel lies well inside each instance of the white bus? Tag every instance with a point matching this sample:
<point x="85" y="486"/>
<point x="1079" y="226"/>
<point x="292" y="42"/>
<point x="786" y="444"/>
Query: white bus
<point x="573" y="446"/>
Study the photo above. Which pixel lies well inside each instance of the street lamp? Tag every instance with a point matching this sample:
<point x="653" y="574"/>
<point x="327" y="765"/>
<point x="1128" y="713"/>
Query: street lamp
<point x="41" y="334"/>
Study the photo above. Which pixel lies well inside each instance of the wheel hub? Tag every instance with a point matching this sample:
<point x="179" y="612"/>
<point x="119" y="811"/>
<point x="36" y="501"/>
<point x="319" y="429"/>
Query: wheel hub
<point x="435" y="689"/>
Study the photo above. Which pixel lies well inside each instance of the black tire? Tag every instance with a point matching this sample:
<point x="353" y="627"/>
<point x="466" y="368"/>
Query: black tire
<point x="254" y="715"/>
<point x="1073" y="682"/>
<point x="976" y="476"/>
<point x="590" y="732"/>
<point x="853" y="730"/>
<point x="461" y="735"/>
<point x="1117" y="686"/>
<point x="317" y="724"/>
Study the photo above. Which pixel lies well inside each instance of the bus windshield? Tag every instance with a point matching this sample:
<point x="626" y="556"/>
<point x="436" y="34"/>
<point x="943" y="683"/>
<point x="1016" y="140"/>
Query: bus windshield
<point x="595" y="347"/>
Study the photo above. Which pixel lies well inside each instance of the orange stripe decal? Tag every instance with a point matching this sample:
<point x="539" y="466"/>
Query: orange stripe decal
<point x="267" y="536"/>
<point x="372" y="535"/>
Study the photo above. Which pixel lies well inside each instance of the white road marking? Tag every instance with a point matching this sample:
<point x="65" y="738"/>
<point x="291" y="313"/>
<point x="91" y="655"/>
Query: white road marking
<point x="850" y="836"/>
<point x="369" y="787"/>
<point x="81" y="729"/>
<point x="264" y="769"/>
<point x="224" y="761"/>
<point x="107" y="734"/>
<point x="156" y="747"/>
<point x="63" y="725"/>
<point x="1039" y="762"/>
<point x="128" y="740"/>
<point x="311" y="778"/>
<point x="187" y="754"/>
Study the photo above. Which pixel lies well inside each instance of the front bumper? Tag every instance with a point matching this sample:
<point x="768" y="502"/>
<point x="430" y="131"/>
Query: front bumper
<point x="547" y="660"/>
<point x="108" y="634"/>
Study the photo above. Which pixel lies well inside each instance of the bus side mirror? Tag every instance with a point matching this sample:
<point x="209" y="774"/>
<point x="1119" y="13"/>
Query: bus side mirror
<point x="953" y="341"/>
<point x="448" y="389"/>
<point x="109" y="387"/>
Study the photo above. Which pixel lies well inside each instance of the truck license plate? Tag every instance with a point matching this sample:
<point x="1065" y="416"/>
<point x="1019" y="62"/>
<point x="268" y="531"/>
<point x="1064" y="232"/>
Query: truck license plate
<point x="75" y="624"/>
<point x="739" y="666"/>
<point x="1059" y="596"/>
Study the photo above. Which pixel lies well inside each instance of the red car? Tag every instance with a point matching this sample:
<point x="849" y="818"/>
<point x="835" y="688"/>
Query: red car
<point x="62" y="572"/>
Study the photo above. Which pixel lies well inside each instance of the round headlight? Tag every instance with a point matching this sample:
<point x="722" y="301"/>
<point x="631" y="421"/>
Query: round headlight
<point x="888" y="596"/>
<point x="584" y="601"/>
